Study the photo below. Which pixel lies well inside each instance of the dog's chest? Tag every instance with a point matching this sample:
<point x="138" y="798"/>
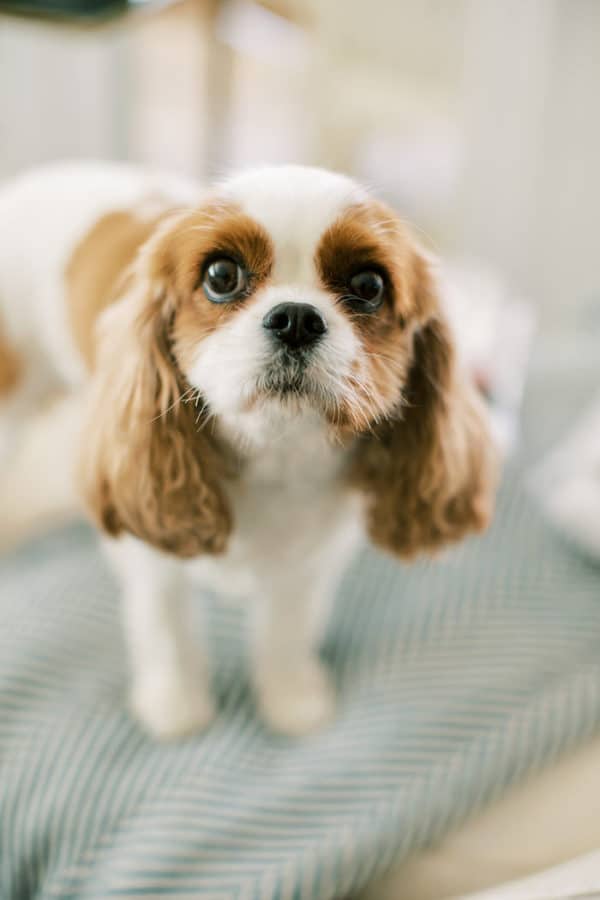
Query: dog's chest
<point x="291" y="484"/>
<point x="287" y="505"/>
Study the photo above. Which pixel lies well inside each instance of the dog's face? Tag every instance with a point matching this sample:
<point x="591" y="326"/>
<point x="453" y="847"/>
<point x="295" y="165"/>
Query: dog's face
<point x="293" y="289"/>
<point x="289" y="289"/>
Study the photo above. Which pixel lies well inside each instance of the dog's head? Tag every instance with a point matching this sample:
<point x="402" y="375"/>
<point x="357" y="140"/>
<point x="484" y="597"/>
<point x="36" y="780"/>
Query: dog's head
<point x="289" y="289"/>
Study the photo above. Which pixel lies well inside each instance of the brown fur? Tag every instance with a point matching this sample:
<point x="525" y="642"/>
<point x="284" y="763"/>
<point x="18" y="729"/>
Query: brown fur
<point x="11" y="366"/>
<point x="370" y="236"/>
<point x="96" y="269"/>
<point x="152" y="464"/>
<point x="425" y="460"/>
<point x="218" y="230"/>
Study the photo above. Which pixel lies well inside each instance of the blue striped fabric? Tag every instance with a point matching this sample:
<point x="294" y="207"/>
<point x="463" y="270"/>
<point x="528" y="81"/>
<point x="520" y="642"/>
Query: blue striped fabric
<point x="455" y="677"/>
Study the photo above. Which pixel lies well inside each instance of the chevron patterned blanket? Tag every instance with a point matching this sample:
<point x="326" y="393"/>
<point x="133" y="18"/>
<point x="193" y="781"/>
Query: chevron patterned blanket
<point x="456" y="678"/>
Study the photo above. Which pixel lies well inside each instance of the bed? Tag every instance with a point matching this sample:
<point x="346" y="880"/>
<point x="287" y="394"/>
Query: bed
<point x="463" y="683"/>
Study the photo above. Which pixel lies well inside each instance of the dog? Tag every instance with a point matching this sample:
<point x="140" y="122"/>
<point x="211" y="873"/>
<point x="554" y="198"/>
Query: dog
<point x="263" y="376"/>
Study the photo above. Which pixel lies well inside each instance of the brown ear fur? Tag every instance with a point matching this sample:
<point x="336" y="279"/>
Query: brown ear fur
<point x="428" y="471"/>
<point x="146" y="466"/>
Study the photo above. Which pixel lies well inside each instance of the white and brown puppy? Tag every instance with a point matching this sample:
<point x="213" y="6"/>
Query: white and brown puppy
<point x="267" y="375"/>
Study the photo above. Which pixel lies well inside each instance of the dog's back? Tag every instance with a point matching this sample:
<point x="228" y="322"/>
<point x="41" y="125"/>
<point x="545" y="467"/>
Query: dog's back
<point x="43" y="216"/>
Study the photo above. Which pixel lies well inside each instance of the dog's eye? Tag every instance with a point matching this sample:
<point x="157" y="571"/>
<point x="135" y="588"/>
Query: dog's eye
<point x="224" y="280"/>
<point x="367" y="289"/>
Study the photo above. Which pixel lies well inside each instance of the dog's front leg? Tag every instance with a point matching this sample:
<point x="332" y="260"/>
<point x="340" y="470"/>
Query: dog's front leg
<point x="294" y="689"/>
<point x="170" y="693"/>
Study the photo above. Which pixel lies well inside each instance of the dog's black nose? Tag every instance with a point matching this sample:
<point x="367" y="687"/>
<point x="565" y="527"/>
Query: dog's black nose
<point x="295" y="324"/>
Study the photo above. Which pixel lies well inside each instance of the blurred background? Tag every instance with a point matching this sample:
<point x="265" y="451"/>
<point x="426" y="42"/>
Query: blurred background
<point x="478" y="119"/>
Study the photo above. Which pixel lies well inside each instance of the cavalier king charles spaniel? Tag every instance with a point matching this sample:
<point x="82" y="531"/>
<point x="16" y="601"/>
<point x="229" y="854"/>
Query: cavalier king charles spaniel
<point x="264" y="375"/>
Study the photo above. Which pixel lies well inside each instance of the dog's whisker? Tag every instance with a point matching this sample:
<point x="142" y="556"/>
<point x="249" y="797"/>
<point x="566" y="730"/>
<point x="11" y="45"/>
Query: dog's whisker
<point x="181" y="399"/>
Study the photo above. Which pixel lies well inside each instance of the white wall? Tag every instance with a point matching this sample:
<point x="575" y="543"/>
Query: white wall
<point x="63" y="92"/>
<point x="529" y="197"/>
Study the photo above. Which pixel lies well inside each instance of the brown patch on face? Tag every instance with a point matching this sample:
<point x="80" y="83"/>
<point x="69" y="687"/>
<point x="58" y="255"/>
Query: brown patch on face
<point x="11" y="366"/>
<point x="219" y="230"/>
<point x="370" y="237"/>
<point x="149" y="465"/>
<point x="96" y="269"/>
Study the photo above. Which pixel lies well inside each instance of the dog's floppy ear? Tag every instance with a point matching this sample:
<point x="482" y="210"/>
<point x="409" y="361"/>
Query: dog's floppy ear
<point x="146" y="466"/>
<point x="428" y="470"/>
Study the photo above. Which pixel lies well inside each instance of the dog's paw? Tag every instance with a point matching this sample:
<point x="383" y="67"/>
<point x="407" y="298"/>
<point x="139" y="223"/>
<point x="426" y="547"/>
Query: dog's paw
<point x="170" y="706"/>
<point x="296" y="701"/>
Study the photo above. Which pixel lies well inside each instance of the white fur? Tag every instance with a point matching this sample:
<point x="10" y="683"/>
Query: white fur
<point x="231" y="360"/>
<point x="37" y="488"/>
<point x="295" y="204"/>
<point x="294" y="526"/>
<point x="43" y="216"/>
<point x="169" y="692"/>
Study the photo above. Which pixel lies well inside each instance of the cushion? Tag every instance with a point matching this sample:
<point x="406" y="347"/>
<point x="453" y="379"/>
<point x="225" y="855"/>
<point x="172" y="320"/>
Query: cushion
<point x="457" y="677"/>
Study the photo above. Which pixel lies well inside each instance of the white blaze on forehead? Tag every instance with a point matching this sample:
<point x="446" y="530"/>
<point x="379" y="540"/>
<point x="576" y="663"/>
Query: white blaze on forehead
<point x="295" y="204"/>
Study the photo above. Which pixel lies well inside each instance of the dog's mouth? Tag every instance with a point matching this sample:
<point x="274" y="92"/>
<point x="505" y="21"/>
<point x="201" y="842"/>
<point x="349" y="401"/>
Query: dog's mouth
<point x="286" y="374"/>
<point x="298" y="383"/>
